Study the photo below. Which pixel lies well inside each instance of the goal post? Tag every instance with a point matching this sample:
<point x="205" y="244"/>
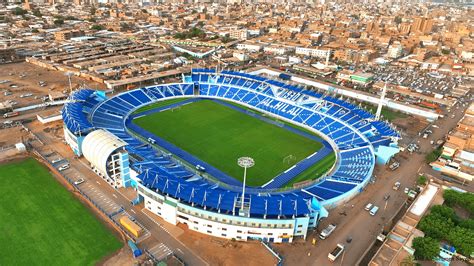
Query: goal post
<point x="250" y="112"/>
<point x="289" y="159"/>
<point x="177" y="108"/>
<point x="280" y="124"/>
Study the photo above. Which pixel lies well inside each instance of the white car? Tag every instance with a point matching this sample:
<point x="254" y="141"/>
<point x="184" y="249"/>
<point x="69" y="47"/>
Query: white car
<point x="368" y="206"/>
<point x="396" y="186"/>
<point x="63" y="167"/>
<point x="79" y="181"/>
<point x="56" y="160"/>
<point x="200" y="168"/>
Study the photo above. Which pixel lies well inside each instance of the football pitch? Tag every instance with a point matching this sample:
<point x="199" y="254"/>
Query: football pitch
<point x="41" y="223"/>
<point x="219" y="135"/>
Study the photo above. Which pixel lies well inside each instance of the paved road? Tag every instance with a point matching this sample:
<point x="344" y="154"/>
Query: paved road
<point x="357" y="223"/>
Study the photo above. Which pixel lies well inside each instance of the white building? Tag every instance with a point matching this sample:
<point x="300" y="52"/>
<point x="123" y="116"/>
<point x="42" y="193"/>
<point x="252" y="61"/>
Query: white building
<point x="250" y="46"/>
<point x="313" y="52"/>
<point x="467" y="56"/>
<point x="278" y="50"/>
<point x="241" y="56"/>
<point x="395" y="51"/>
<point x="228" y="226"/>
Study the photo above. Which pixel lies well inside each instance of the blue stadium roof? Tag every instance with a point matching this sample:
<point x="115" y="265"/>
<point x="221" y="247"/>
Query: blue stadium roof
<point x="350" y="128"/>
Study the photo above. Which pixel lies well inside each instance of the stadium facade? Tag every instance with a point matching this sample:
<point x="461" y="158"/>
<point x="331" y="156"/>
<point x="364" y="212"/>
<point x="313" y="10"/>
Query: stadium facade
<point x="178" y="194"/>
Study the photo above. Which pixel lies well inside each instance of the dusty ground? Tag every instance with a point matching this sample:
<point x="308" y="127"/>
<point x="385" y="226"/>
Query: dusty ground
<point x="410" y="125"/>
<point x="122" y="258"/>
<point x="218" y="251"/>
<point x="26" y="76"/>
<point x="10" y="136"/>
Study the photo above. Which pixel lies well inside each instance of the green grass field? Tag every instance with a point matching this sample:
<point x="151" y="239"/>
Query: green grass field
<point x="387" y="114"/>
<point x="219" y="135"/>
<point x="41" y="223"/>
<point x="158" y="104"/>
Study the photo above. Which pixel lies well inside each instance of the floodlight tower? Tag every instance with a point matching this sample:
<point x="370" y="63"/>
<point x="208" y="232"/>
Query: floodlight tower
<point x="69" y="74"/>
<point x="245" y="162"/>
<point x="382" y="97"/>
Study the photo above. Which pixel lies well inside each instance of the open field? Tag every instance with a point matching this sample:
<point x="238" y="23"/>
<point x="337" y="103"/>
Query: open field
<point x="387" y="114"/>
<point x="219" y="135"/>
<point x="25" y="77"/>
<point x="43" y="224"/>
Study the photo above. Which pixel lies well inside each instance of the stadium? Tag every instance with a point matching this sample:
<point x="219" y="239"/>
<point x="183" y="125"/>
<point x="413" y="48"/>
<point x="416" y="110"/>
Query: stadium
<point x="184" y="148"/>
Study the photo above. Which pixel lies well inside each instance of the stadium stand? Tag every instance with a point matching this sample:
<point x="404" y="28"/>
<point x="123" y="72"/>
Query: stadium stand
<point x="352" y="132"/>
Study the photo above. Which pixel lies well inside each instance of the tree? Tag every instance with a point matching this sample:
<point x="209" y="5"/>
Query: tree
<point x="426" y="248"/>
<point x="433" y="156"/>
<point x="37" y="13"/>
<point x="421" y="180"/>
<point x="97" y="27"/>
<point x="444" y="212"/>
<point x="126" y="26"/>
<point x="58" y="22"/>
<point x="445" y="51"/>
<point x="18" y="11"/>
<point x="226" y="39"/>
<point x="398" y="20"/>
<point x="464" y="200"/>
<point x="442" y="224"/>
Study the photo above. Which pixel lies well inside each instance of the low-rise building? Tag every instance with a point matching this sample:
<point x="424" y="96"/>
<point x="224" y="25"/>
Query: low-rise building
<point x="250" y="46"/>
<point x="67" y="34"/>
<point x="313" y="52"/>
<point x="457" y="157"/>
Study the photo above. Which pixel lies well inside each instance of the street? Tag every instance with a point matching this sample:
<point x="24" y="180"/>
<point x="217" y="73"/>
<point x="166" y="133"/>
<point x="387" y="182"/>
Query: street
<point x="355" y="222"/>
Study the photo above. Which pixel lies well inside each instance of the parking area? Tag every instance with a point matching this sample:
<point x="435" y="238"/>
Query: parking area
<point x="104" y="202"/>
<point x="90" y="189"/>
<point x="417" y="80"/>
<point x="160" y="251"/>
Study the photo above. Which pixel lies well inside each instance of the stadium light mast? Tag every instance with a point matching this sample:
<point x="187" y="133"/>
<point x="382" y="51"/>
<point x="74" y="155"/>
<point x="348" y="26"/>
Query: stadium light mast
<point x="245" y="162"/>
<point x="382" y="98"/>
<point x="69" y="74"/>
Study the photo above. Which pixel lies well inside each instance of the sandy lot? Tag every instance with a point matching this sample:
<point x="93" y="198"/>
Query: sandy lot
<point x="218" y="251"/>
<point x="26" y="78"/>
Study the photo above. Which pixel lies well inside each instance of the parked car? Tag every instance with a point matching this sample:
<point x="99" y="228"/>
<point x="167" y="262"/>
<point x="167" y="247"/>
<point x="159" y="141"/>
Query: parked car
<point x="200" y="168"/>
<point x="374" y="210"/>
<point x="368" y="206"/>
<point x="396" y="186"/>
<point x="327" y="231"/>
<point x="394" y="166"/>
<point x="381" y="237"/>
<point x="79" y="181"/>
<point x="63" y="167"/>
